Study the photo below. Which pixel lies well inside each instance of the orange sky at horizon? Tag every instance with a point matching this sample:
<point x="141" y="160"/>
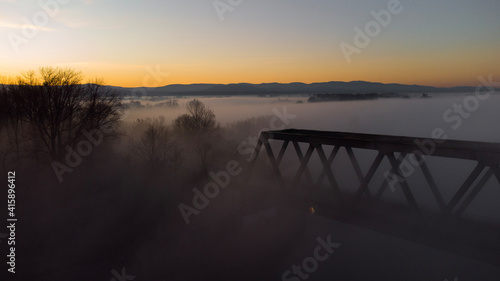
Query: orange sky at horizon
<point x="400" y="72"/>
<point x="133" y="44"/>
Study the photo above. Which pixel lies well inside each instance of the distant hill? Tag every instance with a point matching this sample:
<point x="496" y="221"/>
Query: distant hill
<point x="288" y="88"/>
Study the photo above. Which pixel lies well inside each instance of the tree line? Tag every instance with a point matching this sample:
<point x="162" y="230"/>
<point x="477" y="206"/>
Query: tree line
<point x="44" y="113"/>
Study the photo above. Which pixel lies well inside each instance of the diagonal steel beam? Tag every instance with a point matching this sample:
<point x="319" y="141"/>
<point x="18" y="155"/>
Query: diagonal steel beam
<point x="317" y="184"/>
<point x="304" y="160"/>
<point x="301" y="157"/>
<point x="274" y="164"/>
<point x="329" y="173"/>
<point x="462" y="190"/>
<point x="331" y="157"/>
<point x="484" y="179"/>
<point x="385" y="183"/>
<point x="282" y="152"/>
<point x="404" y="184"/>
<point x="430" y="180"/>
<point x="357" y="168"/>
<point x="364" y="185"/>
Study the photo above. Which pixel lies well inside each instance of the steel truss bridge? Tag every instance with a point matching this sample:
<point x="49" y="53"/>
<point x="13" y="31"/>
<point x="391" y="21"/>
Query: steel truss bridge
<point x="396" y="150"/>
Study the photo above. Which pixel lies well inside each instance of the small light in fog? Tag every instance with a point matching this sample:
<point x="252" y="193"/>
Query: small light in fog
<point x="311" y="210"/>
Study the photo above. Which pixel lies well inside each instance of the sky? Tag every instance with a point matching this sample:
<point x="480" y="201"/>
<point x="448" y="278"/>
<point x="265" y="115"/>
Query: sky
<point x="154" y="43"/>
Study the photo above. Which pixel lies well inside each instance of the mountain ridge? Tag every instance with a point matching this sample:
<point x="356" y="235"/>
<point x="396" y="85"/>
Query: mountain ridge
<point x="332" y="87"/>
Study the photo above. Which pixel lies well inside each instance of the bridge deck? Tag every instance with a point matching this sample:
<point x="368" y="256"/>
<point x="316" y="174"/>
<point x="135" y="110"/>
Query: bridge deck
<point x="444" y="148"/>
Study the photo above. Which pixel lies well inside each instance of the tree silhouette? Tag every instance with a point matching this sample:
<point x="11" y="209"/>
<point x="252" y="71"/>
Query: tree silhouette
<point x="200" y="127"/>
<point x="54" y="103"/>
<point x="156" y="146"/>
<point x="199" y="119"/>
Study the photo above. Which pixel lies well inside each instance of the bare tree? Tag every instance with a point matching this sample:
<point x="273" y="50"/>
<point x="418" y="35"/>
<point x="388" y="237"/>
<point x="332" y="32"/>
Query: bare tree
<point x="156" y="146"/>
<point x="10" y="122"/>
<point x="199" y="119"/>
<point x="200" y="127"/>
<point x="59" y="108"/>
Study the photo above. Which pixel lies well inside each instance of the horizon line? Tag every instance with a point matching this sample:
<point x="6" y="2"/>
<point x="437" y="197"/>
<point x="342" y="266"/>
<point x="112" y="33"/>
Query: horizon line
<point x="287" y="83"/>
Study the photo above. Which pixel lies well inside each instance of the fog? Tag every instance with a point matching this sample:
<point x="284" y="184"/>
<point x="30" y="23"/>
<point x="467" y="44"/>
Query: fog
<point x="119" y="208"/>
<point x="415" y="117"/>
<point x="400" y="117"/>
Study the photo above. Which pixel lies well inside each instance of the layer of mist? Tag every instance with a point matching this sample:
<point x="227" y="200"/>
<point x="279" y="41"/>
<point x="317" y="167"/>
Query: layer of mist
<point x="119" y="207"/>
